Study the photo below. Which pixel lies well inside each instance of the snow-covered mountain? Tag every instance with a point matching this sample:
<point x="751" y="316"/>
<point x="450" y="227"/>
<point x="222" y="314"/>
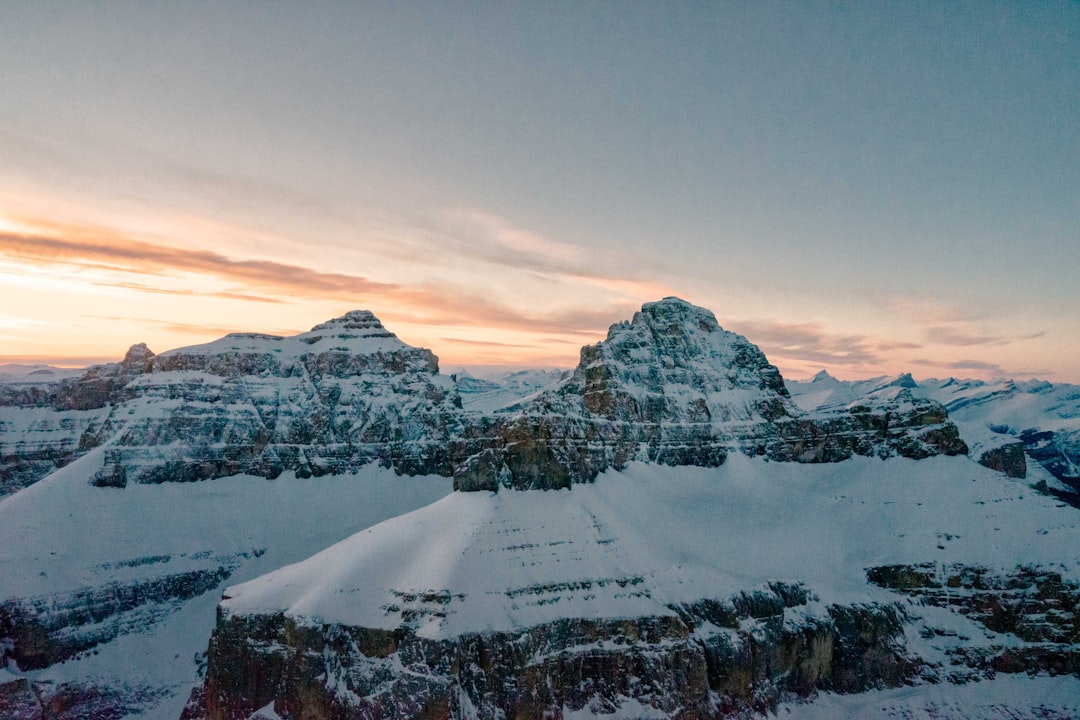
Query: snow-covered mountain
<point x="497" y="391"/>
<point x="326" y="401"/>
<point x="671" y="386"/>
<point x="716" y="544"/>
<point x="1002" y="421"/>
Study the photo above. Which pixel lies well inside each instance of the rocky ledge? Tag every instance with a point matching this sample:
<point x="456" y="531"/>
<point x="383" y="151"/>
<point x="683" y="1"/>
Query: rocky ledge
<point x="707" y="659"/>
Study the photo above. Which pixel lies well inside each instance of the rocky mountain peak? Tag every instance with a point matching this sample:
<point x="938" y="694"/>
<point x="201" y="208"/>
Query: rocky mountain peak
<point x="357" y="322"/>
<point x="822" y="376"/>
<point x="137" y="354"/>
<point x="673" y="362"/>
<point x="673" y="387"/>
<point x="903" y="381"/>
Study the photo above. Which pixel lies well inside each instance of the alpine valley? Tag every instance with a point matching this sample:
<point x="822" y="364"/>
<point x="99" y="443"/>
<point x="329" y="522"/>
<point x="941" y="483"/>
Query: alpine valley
<point x="324" y="526"/>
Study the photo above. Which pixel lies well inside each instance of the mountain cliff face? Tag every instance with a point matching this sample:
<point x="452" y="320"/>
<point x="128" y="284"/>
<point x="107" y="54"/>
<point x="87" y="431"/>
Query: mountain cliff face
<point x="712" y="547"/>
<point x="327" y="401"/>
<point x="324" y="402"/>
<point x="672" y="387"/>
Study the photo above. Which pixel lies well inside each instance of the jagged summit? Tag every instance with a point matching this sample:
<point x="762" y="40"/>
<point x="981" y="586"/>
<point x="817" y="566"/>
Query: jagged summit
<point x="671" y="386"/>
<point x="674" y="363"/>
<point x="358" y="332"/>
<point x="903" y="380"/>
<point x="822" y="376"/>
<point x="360" y="321"/>
<point x="138" y="353"/>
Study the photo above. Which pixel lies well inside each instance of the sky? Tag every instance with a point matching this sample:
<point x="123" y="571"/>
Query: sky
<point x="871" y="188"/>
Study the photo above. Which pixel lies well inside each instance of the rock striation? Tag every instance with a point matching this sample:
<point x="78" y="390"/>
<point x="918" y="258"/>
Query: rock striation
<point x="706" y="659"/>
<point x="46" y="423"/>
<point x="328" y="401"/>
<point x="673" y="387"/>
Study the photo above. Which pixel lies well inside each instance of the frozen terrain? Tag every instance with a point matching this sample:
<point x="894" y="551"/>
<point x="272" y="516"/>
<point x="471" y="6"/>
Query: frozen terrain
<point x="662" y="543"/>
<point x="79" y="552"/>
<point x="264" y="526"/>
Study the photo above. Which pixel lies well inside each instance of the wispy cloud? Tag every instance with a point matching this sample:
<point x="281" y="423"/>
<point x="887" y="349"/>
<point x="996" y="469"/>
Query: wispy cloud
<point x="482" y="343"/>
<point x="809" y="342"/>
<point x="165" y="291"/>
<point x="927" y="313"/>
<point x="476" y="236"/>
<point x="214" y="331"/>
<point x="962" y="365"/>
<point x="963" y="338"/>
<point x="430" y="304"/>
<point x="137" y="256"/>
<point x="67" y="361"/>
<point x="434" y="305"/>
<point x="990" y="369"/>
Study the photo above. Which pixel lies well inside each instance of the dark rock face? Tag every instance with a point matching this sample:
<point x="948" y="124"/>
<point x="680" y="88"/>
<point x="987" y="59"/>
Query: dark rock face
<point x="672" y="387"/>
<point x="26" y="699"/>
<point x="1033" y="605"/>
<point x="708" y="659"/>
<point x="40" y="631"/>
<point x="1008" y="458"/>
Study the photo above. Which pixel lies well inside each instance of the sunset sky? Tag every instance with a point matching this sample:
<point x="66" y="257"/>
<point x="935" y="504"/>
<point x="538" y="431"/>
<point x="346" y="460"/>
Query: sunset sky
<point x="871" y="188"/>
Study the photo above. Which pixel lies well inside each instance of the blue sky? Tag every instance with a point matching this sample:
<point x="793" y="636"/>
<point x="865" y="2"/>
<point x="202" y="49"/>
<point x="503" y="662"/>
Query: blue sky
<point x="870" y="187"/>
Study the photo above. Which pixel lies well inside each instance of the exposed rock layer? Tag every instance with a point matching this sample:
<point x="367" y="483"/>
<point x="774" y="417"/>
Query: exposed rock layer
<point x="708" y="659"/>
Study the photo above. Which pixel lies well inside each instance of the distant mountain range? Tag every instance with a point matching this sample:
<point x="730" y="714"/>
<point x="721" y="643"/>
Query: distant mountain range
<point x="670" y="529"/>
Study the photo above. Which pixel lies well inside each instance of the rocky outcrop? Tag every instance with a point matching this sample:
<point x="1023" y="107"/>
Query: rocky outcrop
<point x="1006" y="423"/>
<point x="1008" y="458"/>
<point x="46" y="424"/>
<point x="673" y="387"/>
<point x="1035" y="612"/>
<point x="1056" y="450"/>
<point x="41" y="631"/>
<point x="36" y="699"/>
<point x="712" y="658"/>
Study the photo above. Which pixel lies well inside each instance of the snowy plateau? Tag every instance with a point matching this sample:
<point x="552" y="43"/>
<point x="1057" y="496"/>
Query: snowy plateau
<point x="325" y="526"/>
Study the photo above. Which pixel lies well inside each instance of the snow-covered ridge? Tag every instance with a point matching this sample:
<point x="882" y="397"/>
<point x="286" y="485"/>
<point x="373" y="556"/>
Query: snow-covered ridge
<point x="353" y="339"/>
<point x="718" y="589"/>
<point x="326" y="401"/>
<point x="670" y="385"/>
<point x="1005" y="418"/>
<point x="636" y="542"/>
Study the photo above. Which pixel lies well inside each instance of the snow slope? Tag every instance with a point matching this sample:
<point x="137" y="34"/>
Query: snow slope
<point x="63" y="538"/>
<point x="650" y="542"/>
<point x="638" y="541"/>
<point x="494" y="392"/>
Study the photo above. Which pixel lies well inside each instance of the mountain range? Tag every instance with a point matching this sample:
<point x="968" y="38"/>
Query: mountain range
<point x="326" y="526"/>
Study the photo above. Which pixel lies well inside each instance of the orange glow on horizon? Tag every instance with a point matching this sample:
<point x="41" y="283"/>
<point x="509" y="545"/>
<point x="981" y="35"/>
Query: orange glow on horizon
<point x="89" y="291"/>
